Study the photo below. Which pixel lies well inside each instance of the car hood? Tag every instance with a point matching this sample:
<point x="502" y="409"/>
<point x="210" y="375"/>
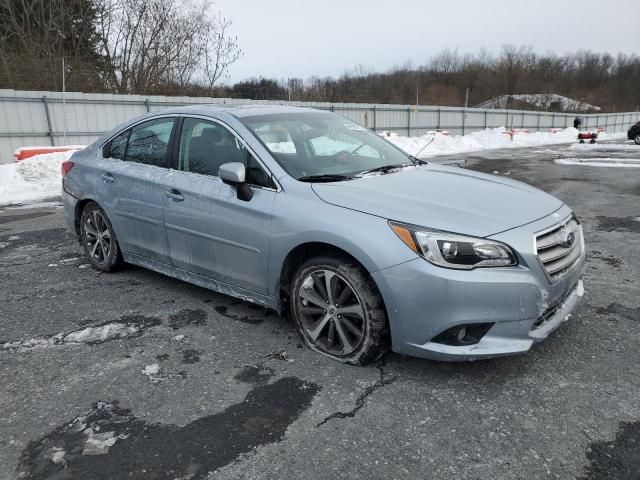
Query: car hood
<point x="443" y="198"/>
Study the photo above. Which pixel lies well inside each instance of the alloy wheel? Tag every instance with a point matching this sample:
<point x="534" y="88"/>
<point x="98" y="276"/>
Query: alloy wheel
<point x="330" y="312"/>
<point x="97" y="237"/>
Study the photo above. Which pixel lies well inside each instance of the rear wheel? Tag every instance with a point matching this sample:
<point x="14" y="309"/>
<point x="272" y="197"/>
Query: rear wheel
<point x="339" y="311"/>
<point x="98" y="239"/>
<point x="637" y="139"/>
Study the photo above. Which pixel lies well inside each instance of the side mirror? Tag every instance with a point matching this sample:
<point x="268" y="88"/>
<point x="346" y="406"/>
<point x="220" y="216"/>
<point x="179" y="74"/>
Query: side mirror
<point x="235" y="173"/>
<point x="232" y="173"/>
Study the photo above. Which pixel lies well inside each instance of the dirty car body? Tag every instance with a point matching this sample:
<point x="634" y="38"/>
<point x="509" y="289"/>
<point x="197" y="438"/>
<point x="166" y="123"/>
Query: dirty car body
<point x="466" y="265"/>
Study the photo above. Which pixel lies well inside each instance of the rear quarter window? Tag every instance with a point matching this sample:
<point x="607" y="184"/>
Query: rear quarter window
<point x="117" y="146"/>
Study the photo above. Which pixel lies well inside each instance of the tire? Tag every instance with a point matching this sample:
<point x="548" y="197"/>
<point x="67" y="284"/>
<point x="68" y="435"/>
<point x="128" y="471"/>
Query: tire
<point x="356" y="333"/>
<point x="98" y="239"/>
<point x="637" y="139"/>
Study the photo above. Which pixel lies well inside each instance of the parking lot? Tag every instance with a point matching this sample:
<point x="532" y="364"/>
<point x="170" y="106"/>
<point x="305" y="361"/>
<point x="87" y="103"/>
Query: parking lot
<point x="137" y="375"/>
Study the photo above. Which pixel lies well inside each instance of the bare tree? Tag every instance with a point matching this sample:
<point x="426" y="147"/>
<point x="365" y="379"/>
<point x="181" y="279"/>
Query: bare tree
<point x="220" y="50"/>
<point x="151" y="45"/>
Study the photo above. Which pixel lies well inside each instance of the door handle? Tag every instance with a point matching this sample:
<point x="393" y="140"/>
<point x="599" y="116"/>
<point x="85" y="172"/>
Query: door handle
<point x="108" y="178"/>
<point x="174" y="195"/>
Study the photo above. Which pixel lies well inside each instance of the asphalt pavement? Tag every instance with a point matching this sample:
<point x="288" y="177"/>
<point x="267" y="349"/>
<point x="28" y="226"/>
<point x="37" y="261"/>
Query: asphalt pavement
<point x="135" y="375"/>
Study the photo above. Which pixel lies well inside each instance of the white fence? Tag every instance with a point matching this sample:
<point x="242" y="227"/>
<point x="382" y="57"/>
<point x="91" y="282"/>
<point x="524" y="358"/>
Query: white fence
<point x="51" y="118"/>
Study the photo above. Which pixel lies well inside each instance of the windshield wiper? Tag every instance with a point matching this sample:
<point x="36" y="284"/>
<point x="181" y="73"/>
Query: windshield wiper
<point x="418" y="161"/>
<point x="384" y="168"/>
<point x="325" y="178"/>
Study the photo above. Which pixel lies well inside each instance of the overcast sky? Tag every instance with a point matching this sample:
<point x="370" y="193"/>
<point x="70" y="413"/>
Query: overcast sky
<point x="296" y="38"/>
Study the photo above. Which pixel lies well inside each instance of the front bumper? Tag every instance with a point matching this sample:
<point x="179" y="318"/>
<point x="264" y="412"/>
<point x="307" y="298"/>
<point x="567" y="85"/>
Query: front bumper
<point x="524" y="306"/>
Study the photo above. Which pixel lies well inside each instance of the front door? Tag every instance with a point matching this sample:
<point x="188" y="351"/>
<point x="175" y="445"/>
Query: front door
<point x="210" y="231"/>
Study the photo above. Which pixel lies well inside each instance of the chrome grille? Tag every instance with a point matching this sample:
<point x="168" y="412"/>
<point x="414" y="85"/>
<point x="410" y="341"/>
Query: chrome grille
<point x="555" y="250"/>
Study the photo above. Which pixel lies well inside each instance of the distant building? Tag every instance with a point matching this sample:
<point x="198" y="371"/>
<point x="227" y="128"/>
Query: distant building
<point x="549" y="102"/>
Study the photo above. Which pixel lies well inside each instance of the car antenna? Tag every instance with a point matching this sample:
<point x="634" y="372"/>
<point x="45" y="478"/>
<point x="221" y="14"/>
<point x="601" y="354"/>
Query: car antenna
<point x="420" y="151"/>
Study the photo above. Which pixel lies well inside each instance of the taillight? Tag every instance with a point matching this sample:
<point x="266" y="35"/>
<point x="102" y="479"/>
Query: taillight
<point x="66" y="167"/>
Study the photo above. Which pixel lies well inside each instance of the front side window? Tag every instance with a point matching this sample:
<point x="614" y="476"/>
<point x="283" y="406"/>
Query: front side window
<point x="205" y="145"/>
<point x="318" y="143"/>
<point x="149" y="142"/>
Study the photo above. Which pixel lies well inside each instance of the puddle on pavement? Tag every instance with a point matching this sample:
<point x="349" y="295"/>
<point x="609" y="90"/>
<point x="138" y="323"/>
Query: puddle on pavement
<point x="187" y="317"/>
<point x="245" y="312"/>
<point x="618" y="459"/>
<point x="254" y="374"/>
<point x="618" y="224"/>
<point x="620" y="310"/>
<point x="23" y="216"/>
<point x="109" y="442"/>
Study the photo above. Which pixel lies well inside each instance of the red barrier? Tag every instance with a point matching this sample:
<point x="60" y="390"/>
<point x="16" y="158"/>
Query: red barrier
<point x="27" y="152"/>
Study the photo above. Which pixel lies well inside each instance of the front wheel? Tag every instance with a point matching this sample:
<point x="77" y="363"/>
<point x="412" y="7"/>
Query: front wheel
<point x="98" y="239"/>
<point x="637" y="139"/>
<point x="339" y="311"/>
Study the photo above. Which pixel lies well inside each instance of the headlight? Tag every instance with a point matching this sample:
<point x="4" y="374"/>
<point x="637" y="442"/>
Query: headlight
<point x="454" y="251"/>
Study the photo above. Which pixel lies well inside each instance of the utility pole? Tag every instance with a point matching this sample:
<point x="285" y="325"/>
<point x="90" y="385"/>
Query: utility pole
<point x="64" y="105"/>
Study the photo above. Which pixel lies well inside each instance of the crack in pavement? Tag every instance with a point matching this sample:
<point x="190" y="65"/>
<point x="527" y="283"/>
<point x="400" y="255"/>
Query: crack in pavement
<point x="360" y="401"/>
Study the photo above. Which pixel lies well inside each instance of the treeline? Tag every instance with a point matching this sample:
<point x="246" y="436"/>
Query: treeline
<point x="116" y="46"/>
<point x="183" y="47"/>
<point x="452" y="79"/>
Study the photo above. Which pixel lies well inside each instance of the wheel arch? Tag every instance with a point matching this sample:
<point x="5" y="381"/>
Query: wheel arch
<point x="298" y="255"/>
<point x="77" y="214"/>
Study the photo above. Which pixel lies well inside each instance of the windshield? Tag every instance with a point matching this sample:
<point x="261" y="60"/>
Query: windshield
<point x="322" y="144"/>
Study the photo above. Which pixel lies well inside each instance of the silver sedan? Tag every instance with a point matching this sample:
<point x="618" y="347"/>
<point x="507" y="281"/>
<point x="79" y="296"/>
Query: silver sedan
<point x="311" y="214"/>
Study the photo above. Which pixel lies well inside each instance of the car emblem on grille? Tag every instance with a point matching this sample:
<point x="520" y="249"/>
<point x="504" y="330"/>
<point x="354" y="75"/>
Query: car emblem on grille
<point x="567" y="237"/>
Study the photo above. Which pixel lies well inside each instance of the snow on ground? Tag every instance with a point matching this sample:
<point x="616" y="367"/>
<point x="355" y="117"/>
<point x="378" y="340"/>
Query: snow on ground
<point x="31" y="180"/>
<point x="101" y="333"/>
<point x="601" y="162"/>
<point x="488" y="139"/>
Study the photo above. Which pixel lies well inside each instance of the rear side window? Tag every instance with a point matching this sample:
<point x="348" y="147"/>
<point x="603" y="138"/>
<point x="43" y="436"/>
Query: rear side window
<point x="149" y="142"/>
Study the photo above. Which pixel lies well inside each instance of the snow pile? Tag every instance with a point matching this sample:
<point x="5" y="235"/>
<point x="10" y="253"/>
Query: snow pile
<point x="547" y="100"/>
<point x="101" y="333"/>
<point x="31" y="180"/>
<point x="601" y="162"/>
<point x="541" y="101"/>
<point x="97" y="334"/>
<point x="492" y="138"/>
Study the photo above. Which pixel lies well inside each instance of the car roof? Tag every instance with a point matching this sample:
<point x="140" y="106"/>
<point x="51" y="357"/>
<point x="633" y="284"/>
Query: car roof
<point x="237" y="111"/>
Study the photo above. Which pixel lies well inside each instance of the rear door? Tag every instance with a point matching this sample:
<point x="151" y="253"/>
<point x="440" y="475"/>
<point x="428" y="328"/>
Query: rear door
<point x="133" y="178"/>
<point x="210" y="231"/>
